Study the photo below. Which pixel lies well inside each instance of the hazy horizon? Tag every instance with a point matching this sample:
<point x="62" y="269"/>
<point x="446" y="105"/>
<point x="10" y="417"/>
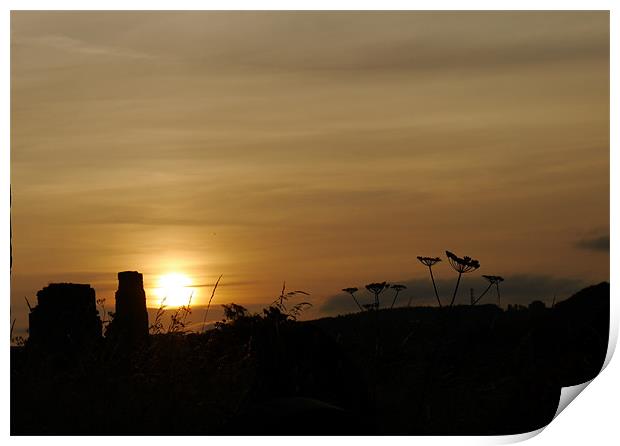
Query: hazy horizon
<point x="326" y="150"/>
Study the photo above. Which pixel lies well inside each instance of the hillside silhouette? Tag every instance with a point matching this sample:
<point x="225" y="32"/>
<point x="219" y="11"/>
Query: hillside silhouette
<point x="471" y="370"/>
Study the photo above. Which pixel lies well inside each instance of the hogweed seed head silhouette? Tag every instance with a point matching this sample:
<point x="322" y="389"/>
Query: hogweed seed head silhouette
<point x="429" y="262"/>
<point x="352" y="292"/>
<point x="377" y="288"/>
<point x="397" y="288"/>
<point x="461" y="265"/>
<point x="495" y="280"/>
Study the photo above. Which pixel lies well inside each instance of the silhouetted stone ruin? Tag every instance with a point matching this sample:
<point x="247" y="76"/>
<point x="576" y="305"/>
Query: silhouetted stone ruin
<point x="65" y="317"/>
<point x="131" y="323"/>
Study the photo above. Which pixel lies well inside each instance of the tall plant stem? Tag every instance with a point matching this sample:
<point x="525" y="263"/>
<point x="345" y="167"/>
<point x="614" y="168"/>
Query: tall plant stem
<point x="499" y="301"/>
<point x="204" y="321"/>
<point x="455" y="289"/>
<point x="483" y="293"/>
<point x="434" y="286"/>
<point x="394" y="301"/>
<point x="358" y="304"/>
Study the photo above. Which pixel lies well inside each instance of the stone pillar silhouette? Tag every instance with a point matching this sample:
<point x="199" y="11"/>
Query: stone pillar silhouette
<point x="131" y="321"/>
<point x="65" y="318"/>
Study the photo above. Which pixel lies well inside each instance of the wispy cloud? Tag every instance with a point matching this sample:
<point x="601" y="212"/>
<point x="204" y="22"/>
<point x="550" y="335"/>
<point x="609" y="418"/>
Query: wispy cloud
<point x="599" y="243"/>
<point x="73" y="45"/>
<point x="223" y="284"/>
<point x="294" y="149"/>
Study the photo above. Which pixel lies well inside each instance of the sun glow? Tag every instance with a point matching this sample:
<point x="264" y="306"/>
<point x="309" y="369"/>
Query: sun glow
<point x="174" y="290"/>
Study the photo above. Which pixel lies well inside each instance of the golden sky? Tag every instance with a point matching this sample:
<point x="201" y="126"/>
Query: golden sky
<point x="324" y="149"/>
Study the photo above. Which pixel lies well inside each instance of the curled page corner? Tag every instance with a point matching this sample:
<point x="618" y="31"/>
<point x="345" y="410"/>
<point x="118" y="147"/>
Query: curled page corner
<point x="568" y="394"/>
<point x="612" y="340"/>
<point x="518" y="438"/>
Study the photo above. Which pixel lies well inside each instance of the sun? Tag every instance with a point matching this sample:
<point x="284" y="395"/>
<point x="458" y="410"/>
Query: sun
<point x="175" y="290"/>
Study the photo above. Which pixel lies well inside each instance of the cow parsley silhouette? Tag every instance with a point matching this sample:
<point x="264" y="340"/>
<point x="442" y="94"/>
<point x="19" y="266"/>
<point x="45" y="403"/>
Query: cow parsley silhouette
<point x="429" y="262"/>
<point x="493" y="280"/>
<point x="376" y="289"/>
<point x="352" y="292"/>
<point x="461" y="265"/>
<point x="397" y="288"/>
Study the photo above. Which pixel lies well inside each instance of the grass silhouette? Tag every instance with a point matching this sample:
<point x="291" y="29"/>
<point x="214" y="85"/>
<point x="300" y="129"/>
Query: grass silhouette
<point x="204" y="321"/>
<point x="419" y="370"/>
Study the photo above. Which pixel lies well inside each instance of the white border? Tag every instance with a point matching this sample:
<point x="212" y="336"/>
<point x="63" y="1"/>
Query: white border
<point x="592" y="419"/>
<point x="311" y="5"/>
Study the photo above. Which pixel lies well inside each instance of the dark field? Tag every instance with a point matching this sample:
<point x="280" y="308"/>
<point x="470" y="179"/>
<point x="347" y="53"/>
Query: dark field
<point x="473" y="370"/>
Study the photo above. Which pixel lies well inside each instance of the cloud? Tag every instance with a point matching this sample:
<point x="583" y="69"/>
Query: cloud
<point x="518" y="289"/>
<point x="599" y="243"/>
<point x="412" y="42"/>
<point x="410" y="56"/>
<point x="244" y="204"/>
<point x="233" y="283"/>
<point x="72" y="45"/>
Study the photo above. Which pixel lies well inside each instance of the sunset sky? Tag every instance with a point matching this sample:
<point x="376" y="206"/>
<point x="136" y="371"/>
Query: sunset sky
<point x="324" y="149"/>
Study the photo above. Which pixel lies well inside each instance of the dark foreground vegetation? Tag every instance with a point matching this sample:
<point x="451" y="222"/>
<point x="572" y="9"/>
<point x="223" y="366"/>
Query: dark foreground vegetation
<point x="416" y="371"/>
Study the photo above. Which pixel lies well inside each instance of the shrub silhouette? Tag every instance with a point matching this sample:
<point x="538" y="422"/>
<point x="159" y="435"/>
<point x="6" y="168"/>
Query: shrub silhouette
<point x="157" y="327"/>
<point x="537" y="306"/>
<point x="104" y="314"/>
<point x="462" y="266"/>
<point x="279" y="305"/>
<point x="18" y="341"/>
<point x="236" y="317"/>
<point x="178" y="319"/>
<point x="234" y="312"/>
<point x="429" y="262"/>
<point x="352" y="292"/>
